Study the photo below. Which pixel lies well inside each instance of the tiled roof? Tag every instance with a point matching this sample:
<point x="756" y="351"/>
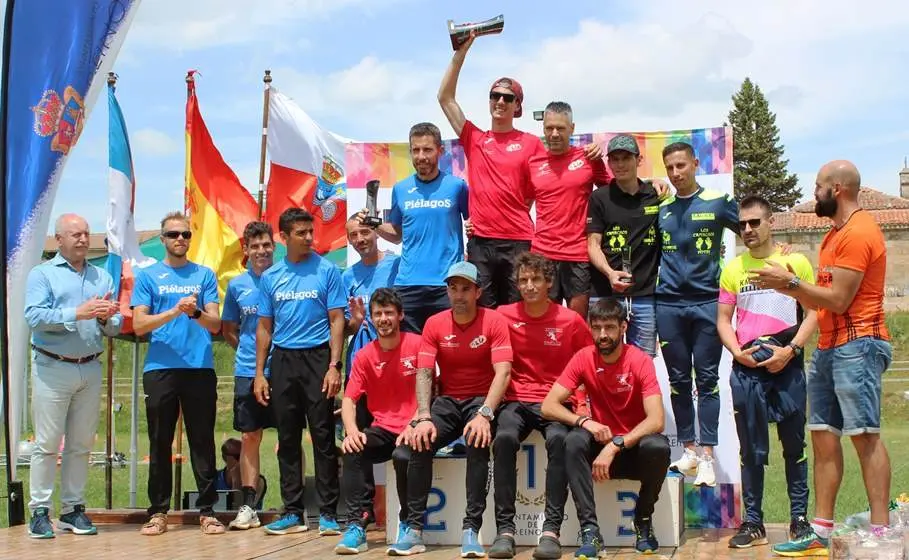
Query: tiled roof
<point x="891" y="212"/>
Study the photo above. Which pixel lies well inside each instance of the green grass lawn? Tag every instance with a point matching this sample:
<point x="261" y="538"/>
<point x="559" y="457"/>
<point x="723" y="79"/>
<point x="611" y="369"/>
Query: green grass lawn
<point x="776" y="504"/>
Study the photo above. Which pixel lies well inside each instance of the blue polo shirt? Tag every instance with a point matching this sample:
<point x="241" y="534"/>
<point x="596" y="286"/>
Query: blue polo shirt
<point x="361" y="280"/>
<point x="691" y="231"/>
<point x="241" y="306"/>
<point x="430" y="215"/>
<point x="181" y="343"/>
<point x="297" y="297"/>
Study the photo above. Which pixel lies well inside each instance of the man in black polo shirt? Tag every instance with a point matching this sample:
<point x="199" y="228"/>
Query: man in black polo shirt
<point x="623" y="241"/>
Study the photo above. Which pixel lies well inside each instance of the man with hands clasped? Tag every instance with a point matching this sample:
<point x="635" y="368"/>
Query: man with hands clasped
<point x="472" y="348"/>
<point x="301" y="321"/>
<point x="69" y="309"/>
<point x="621" y="438"/>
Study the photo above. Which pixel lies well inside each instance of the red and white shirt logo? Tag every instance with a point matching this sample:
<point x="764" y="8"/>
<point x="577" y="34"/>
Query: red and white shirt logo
<point x="576" y="164"/>
<point x="552" y="336"/>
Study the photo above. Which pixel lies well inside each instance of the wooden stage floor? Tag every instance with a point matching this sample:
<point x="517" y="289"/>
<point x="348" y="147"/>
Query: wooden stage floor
<point x="186" y="542"/>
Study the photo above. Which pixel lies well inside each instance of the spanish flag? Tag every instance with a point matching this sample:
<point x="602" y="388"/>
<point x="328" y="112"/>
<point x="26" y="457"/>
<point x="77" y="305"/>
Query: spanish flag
<point x="218" y="205"/>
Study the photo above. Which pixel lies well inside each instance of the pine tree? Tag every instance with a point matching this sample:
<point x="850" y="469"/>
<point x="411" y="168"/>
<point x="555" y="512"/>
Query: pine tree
<point x="759" y="165"/>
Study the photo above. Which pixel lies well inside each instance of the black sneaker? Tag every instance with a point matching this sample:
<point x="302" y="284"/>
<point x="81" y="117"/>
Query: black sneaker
<point x="548" y="548"/>
<point x="799" y="528"/>
<point x="40" y="526"/>
<point x="645" y="542"/>
<point x="502" y="547"/>
<point x="750" y="534"/>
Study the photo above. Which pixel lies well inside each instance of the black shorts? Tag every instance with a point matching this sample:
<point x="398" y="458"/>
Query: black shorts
<point x="571" y="279"/>
<point x="494" y="259"/>
<point x="249" y="415"/>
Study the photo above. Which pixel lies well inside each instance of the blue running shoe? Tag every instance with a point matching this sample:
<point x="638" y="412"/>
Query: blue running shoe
<point x="77" y="522"/>
<point x="409" y="542"/>
<point x="402" y="531"/>
<point x="328" y="526"/>
<point x="810" y="544"/>
<point x="470" y="545"/>
<point x="591" y="544"/>
<point x="287" y="524"/>
<point x="353" y="541"/>
<point x="40" y="526"/>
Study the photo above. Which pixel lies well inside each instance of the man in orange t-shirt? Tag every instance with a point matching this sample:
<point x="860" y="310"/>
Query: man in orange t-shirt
<point x="853" y="351"/>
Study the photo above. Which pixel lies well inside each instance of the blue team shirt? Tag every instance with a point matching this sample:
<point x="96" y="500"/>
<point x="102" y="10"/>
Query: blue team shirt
<point x="241" y="306"/>
<point x="362" y="280"/>
<point x="182" y="343"/>
<point x="691" y="235"/>
<point x="297" y="297"/>
<point x="430" y="216"/>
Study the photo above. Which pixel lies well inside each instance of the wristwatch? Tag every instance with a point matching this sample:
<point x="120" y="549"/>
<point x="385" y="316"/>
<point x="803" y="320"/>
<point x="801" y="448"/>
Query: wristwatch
<point x="339" y="365"/>
<point x="486" y="412"/>
<point x="197" y="313"/>
<point x="619" y="442"/>
<point x="413" y="423"/>
<point x="794" y="283"/>
<point x="796" y="349"/>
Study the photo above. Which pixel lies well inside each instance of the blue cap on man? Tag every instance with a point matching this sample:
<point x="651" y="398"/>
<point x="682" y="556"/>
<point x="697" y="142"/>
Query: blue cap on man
<point x="463" y="270"/>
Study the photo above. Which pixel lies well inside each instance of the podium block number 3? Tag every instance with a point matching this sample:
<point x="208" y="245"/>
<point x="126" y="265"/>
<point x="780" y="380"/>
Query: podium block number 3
<point x="622" y="497"/>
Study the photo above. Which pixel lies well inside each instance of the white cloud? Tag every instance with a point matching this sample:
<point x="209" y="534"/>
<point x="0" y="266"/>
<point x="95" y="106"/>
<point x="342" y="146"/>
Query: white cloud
<point x="152" y="142"/>
<point x="183" y="25"/>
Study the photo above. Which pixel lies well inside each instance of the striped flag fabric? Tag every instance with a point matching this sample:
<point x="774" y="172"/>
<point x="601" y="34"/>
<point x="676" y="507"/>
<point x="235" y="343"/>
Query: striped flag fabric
<point x="123" y="253"/>
<point x="218" y="204"/>
<point x="306" y="171"/>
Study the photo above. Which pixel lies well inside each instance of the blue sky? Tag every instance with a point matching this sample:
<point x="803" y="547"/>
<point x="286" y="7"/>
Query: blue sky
<point x="834" y="72"/>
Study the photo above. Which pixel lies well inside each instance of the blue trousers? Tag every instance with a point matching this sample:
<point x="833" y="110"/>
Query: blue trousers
<point x="760" y="398"/>
<point x="688" y="335"/>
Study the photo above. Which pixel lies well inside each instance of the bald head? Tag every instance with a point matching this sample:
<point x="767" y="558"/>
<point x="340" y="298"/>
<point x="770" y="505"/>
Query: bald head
<point x="71" y="232"/>
<point x="843" y="174"/>
<point x="69" y="222"/>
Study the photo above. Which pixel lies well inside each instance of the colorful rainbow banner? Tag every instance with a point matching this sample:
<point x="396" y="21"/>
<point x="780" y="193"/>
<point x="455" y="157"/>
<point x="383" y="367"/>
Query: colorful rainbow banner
<point x="390" y="162"/>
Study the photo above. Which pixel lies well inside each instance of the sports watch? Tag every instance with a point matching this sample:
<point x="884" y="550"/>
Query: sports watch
<point x="794" y="283"/>
<point x="796" y="349"/>
<point x="413" y="423"/>
<point x="619" y="442"/>
<point x="339" y="365"/>
<point x="486" y="412"/>
<point x="197" y="313"/>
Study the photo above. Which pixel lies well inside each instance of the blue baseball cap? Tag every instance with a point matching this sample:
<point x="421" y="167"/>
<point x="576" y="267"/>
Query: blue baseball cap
<point x="463" y="270"/>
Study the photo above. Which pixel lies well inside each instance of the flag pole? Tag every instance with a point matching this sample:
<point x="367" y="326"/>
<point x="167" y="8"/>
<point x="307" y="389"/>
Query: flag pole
<point x="267" y="80"/>
<point x="14" y="491"/>
<point x="108" y="463"/>
<point x="178" y="455"/>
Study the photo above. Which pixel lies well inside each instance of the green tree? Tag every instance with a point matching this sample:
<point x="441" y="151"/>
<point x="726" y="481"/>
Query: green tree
<point x="760" y="167"/>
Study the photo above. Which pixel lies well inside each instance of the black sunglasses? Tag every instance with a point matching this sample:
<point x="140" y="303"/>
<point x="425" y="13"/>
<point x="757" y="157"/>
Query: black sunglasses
<point x="495" y="96"/>
<point x="176" y="234"/>
<point x="754" y="223"/>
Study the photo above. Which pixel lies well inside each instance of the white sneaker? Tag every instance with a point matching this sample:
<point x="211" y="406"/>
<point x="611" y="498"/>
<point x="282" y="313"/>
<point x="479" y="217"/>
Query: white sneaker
<point x="706" y="476"/>
<point x="247" y="518"/>
<point x="687" y="464"/>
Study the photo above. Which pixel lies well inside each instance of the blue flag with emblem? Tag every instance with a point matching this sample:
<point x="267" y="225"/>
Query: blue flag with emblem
<point x="58" y="57"/>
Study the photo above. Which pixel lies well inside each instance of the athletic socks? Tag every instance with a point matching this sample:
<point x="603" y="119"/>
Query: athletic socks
<point x="822" y="527"/>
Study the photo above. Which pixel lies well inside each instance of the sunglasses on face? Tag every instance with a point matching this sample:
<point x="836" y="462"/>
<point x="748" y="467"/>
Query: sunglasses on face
<point x="507" y="97"/>
<point x="754" y="223"/>
<point x="175" y="234"/>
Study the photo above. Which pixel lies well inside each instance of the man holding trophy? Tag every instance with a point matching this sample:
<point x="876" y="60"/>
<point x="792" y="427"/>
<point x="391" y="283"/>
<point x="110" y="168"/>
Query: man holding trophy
<point x="623" y="242"/>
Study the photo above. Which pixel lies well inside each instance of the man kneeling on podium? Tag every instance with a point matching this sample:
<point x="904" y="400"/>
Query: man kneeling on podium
<point x="621" y="438"/>
<point x="386" y="369"/>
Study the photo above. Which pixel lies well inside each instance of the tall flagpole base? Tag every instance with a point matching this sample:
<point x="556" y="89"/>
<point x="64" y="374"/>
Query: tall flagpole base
<point x="16" y="503"/>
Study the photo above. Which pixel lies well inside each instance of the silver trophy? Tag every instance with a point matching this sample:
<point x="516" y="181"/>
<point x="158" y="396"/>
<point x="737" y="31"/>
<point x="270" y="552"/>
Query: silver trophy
<point x="460" y="32"/>
<point x="626" y="265"/>
<point x="372" y="218"/>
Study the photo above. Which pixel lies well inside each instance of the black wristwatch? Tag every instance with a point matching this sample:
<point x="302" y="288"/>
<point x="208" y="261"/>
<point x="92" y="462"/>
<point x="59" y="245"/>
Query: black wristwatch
<point x="796" y="349"/>
<point x="619" y="442"/>
<point x="339" y="365"/>
<point x="413" y="423"/>
<point x="197" y="313"/>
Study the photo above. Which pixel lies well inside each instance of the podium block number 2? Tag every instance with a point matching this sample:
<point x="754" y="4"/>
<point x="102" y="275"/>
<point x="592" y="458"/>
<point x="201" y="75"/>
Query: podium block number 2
<point x="440" y="525"/>
<point x="622" y="497"/>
